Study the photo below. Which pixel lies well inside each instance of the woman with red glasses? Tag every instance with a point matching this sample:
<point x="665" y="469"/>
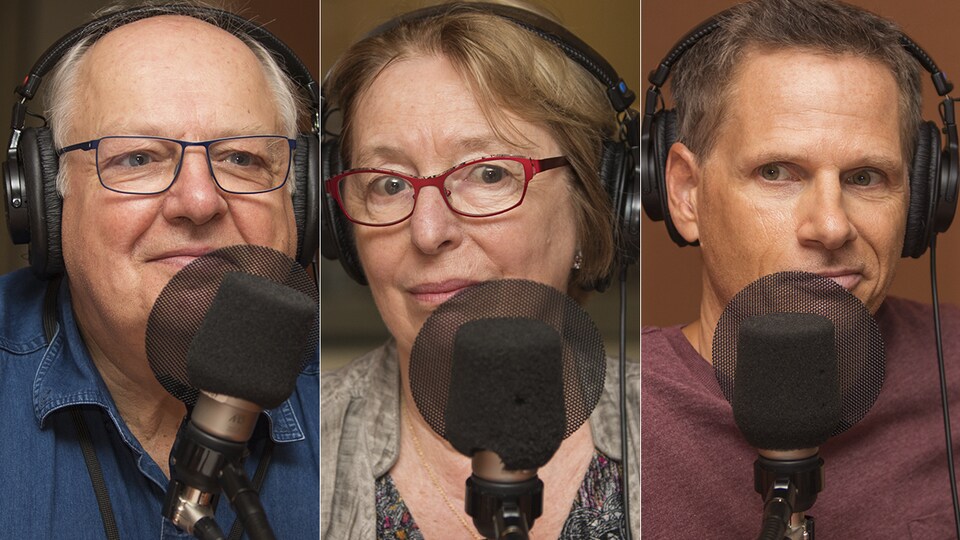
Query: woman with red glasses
<point x="471" y="149"/>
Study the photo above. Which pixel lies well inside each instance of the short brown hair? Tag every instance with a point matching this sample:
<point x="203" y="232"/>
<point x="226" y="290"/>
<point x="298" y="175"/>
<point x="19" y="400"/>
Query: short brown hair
<point x="702" y="77"/>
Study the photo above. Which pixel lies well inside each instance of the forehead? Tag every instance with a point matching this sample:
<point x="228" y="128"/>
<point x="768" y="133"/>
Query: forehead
<point x="423" y="103"/>
<point x="781" y="97"/>
<point x="154" y="70"/>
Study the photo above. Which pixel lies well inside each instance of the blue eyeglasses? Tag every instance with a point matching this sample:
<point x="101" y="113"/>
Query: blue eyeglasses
<point x="140" y="165"/>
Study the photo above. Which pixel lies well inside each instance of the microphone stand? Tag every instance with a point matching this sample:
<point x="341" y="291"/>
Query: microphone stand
<point x="790" y="485"/>
<point x="200" y="465"/>
<point x="505" y="503"/>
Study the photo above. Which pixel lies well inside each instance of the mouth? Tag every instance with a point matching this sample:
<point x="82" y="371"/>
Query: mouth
<point x="847" y="279"/>
<point x="180" y="258"/>
<point x="436" y="293"/>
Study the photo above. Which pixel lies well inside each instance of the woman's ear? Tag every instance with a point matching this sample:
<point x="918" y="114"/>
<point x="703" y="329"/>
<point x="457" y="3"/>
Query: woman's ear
<point x="683" y="180"/>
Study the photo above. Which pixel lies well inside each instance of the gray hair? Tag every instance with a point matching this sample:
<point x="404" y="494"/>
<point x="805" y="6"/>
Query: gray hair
<point x="63" y="100"/>
<point x="702" y="78"/>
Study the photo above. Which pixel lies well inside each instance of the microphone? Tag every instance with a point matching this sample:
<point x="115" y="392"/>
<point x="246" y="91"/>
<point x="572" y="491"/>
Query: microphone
<point x="244" y="358"/>
<point x="787" y="402"/>
<point x="505" y="410"/>
<point x="504" y="371"/>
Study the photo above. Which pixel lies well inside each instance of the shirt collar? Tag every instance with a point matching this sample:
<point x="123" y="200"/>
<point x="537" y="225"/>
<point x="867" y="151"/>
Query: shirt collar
<point x="66" y="376"/>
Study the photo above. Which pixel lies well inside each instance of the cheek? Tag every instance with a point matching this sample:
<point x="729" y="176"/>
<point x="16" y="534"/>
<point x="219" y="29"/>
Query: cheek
<point x="93" y="224"/>
<point x="266" y="222"/>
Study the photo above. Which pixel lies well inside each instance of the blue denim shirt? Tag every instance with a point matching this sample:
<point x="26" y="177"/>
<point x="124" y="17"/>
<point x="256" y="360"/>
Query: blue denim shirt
<point x="45" y="489"/>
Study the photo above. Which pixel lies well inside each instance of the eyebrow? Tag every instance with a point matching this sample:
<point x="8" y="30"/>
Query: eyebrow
<point x="486" y="145"/>
<point x="149" y="128"/>
<point x="875" y="161"/>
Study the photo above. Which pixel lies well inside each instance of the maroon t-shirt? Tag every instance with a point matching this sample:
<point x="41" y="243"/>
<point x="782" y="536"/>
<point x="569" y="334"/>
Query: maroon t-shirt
<point x="885" y="477"/>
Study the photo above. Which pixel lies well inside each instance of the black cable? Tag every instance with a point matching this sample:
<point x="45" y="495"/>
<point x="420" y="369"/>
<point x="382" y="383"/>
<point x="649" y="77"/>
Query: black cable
<point x="625" y="469"/>
<point x="96" y="476"/>
<point x="245" y="501"/>
<point x="944" y="400"/>
<point x="206" y="528"/>
<point x="258" y="476"/>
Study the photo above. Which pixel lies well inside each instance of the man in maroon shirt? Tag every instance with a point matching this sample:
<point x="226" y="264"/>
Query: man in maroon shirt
<point x="797" y="128"/>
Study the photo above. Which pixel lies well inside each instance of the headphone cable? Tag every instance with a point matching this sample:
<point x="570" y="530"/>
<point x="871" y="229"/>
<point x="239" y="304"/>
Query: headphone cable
<point x="944" y="401"/>
<point x="624" y="459"/>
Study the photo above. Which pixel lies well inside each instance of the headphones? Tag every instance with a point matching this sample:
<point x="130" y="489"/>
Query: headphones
<point x="933" y="175"/>
<point x="619" y="165"/>
<point x="30" y="171"/>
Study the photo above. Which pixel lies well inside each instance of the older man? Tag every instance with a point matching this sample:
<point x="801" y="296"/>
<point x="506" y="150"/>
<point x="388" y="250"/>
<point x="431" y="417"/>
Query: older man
<point x="177" y="77"/>
<point x="797" y="126"/>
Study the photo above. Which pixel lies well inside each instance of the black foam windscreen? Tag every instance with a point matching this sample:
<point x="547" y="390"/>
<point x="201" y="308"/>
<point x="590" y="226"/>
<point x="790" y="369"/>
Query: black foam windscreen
<point x="184" y="302"/>
<point x="250" y="344"/>
<point x="582" y="358"/>
<point x="787" y="392"/>
<point x="506" y="391"/>
<point x="858" y="344"/>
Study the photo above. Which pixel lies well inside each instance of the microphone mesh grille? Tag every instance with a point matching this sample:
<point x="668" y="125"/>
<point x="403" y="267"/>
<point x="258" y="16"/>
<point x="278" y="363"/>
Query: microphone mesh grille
<point x="583" y="363"/>
<point x="184" y="301"/>
<point x="859" y="345"/>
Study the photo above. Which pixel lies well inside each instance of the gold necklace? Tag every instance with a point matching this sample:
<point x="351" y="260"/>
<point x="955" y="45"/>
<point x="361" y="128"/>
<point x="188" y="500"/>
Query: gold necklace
<point x="433" y="478"/>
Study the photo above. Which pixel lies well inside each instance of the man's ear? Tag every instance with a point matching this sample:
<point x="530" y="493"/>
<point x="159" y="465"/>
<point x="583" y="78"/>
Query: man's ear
<point x="683" y="182"/>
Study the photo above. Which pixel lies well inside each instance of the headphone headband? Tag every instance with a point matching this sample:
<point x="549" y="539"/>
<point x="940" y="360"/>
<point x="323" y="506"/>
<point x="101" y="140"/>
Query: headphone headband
<point x="935" y="172"/>
<point x="29" y="173"/>
<point x="573" y="47"/>
<point x="292" y="64"/>
<point x="619" y="164"/>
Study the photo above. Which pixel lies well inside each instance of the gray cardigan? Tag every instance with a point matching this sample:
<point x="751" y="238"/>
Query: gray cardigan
<point x="359" y="437"/>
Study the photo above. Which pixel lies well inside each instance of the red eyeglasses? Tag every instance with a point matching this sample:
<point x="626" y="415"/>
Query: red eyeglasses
<point x="478" y="188"/>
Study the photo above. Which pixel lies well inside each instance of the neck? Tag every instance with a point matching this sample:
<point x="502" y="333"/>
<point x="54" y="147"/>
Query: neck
<point x="151" y="413"/>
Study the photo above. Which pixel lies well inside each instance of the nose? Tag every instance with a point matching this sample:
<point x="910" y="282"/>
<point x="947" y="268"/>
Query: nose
<point x="825" y="221"/>
<point x="194" y="195"/>
<point x="433" y="225"/>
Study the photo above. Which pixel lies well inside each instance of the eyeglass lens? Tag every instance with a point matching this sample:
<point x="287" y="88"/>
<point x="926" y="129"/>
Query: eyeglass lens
<point x="478" y="188"/>
<point x="150" y="165"/>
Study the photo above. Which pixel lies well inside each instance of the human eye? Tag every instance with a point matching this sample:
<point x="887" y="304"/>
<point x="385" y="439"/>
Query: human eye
<point x="864" y="178"/>
<point x="132" y="153"/>
<point x="136" y="159"/>
<point x="488" y="173"/>
<point x="385" y="185"/>
<point x="240" y="154"/>
<point x="775" y="172"/>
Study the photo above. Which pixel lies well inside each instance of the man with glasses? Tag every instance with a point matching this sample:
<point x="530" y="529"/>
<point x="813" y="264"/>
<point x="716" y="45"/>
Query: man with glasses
<point x="175" y="138"/>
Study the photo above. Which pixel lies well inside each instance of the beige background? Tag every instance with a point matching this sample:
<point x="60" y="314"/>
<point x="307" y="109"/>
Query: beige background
<point x="349" y="321"/>
<point x="671" y="275"/>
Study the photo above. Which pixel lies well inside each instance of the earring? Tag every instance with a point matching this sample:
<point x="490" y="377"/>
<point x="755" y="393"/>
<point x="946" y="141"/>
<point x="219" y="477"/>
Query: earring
<point x="578" y="260"/>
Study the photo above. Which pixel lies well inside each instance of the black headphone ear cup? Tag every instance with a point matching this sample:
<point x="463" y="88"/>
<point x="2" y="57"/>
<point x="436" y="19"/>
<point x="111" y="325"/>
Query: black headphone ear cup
<point x="40" y="164"/>
<point x="619" y="175"/>
<point x="337" y="242"/>
<point x="664" y="134"/>
<point x="330" y="167"/>
<point x="924" y="174"/>
<point x="306" y="201"/>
